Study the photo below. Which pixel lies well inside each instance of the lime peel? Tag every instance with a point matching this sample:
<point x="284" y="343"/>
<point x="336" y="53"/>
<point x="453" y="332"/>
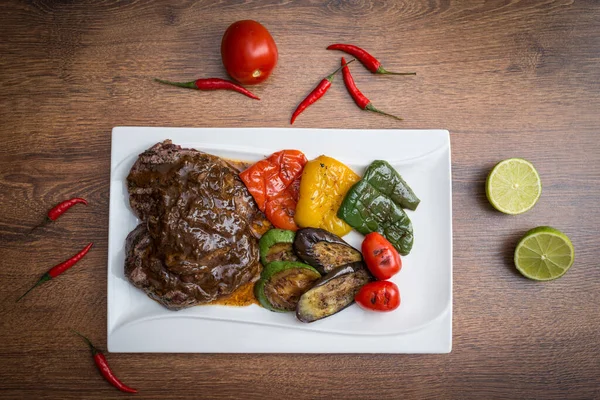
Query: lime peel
<point x="544" y="254"/>
<point x="513" y="186"/>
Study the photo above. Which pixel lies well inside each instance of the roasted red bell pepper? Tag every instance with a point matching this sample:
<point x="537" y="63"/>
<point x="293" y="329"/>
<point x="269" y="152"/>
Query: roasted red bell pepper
<point x="274" y="183"/>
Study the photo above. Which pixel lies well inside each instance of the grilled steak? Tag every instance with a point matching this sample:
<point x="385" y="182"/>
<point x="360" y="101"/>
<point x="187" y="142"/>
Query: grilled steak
<point x="196" y="242"/>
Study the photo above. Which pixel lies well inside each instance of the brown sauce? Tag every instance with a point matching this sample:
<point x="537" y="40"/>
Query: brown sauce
<point x="242" y="297"/>
<point x="198" y="236"/>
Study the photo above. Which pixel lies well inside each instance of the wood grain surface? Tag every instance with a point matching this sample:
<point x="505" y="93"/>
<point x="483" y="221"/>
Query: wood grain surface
<point x="507" y="78"/>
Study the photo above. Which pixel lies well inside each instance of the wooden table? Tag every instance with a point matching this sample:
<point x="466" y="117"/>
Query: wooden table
<point x="519" y="78"/>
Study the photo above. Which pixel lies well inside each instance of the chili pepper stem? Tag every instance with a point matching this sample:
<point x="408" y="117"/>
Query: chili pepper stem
<point x="88" y="341"/>
<point x="44" y="278"/>
<point x="383" y="71"/>
<point x="370" y="107"/>
<point x="189" y="85"/>
<point x="330" y="77"/>
<point x="45" y="222"/>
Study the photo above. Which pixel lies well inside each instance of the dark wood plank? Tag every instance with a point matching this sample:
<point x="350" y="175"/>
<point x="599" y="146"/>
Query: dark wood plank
<point x="507" y="78"/>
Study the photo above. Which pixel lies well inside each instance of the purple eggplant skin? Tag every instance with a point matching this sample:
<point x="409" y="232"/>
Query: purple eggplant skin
<point x="323" y="250"/>
<point x="333" y="292"/>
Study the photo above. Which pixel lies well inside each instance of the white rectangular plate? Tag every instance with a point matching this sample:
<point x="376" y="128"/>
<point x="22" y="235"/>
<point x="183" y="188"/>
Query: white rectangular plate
<point x="423" y="322"/>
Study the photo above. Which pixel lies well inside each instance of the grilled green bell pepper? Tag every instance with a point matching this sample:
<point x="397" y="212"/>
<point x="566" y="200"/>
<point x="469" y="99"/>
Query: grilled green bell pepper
<point x="367" y="210"/>
<point x="383" y="177"/>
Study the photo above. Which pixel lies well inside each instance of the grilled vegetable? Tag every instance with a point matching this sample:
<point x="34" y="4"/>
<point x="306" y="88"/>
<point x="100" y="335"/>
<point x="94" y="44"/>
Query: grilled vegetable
<point x="324" y="250"/>
<point x="383" y="177"/>
<point x="324" y="183"/>
<point x="332" y="293"/>
<point x="368" y="210"/>
<point x="282" y="283"/>
<point x="272" y="182"/>
<point x="276" y="245"/>
<point x="381" y="257"/>
<point x="380" y="296"/>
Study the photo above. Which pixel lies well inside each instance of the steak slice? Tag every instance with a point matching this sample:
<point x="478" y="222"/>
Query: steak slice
<point x="197" y="240"/>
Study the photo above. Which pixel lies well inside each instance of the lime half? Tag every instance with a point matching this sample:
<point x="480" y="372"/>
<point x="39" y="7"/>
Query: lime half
<point x="513" y="186"/>
<point x="544" y="253"/>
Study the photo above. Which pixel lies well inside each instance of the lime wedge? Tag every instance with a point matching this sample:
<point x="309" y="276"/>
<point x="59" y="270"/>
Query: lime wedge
<point x="513" y="186"/>
<point x="544" y="253"/>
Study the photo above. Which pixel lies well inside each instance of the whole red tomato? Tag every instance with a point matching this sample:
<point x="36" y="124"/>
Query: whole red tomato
<point x="381" y="257"/>
<point x="379" y="296"/>
<point x="249" y="52"/>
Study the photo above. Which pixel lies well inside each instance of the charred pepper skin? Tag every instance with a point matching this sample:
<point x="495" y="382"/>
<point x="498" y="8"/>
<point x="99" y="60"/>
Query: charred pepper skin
<point x="274" y="182"/>
<point x="381" y="175"/>
<point x="323" y="186"/>
<point x="376" y="202"/>
<point x="368" y="210"/>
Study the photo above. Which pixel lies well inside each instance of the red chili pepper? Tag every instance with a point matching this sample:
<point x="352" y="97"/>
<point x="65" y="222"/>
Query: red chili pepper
<point x="60" y="268"/>
<point x="61" y="208"/>
<point x="370" y="62"/>
<point x="360" y="99"/>
<point x="211" y="84"/>
<point x="104" y="368"/>
<point x="316" y="94"/>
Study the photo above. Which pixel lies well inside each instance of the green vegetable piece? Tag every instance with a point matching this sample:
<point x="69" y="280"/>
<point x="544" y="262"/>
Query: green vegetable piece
<point x="282" y="283"/>
<point x="276" y="245"/>
<point x="383" y="177"/>
<point x="368" y="210"/>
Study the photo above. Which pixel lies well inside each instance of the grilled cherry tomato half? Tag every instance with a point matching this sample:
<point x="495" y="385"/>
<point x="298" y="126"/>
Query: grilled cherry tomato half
<point x="381" y="257"/>
<point x="380" y="296"/>
<point x="248" y="51"/>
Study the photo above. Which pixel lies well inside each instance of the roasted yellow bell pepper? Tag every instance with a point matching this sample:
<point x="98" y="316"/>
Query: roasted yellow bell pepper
<point x="323" y="186"/>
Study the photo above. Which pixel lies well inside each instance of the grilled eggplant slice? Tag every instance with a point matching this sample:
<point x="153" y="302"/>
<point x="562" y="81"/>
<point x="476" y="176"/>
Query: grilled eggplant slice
<point x="282" y="283"/>
<point x="276" y="245"/>
<point x="332" y="293"/>
<point x="324" y="250"/>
